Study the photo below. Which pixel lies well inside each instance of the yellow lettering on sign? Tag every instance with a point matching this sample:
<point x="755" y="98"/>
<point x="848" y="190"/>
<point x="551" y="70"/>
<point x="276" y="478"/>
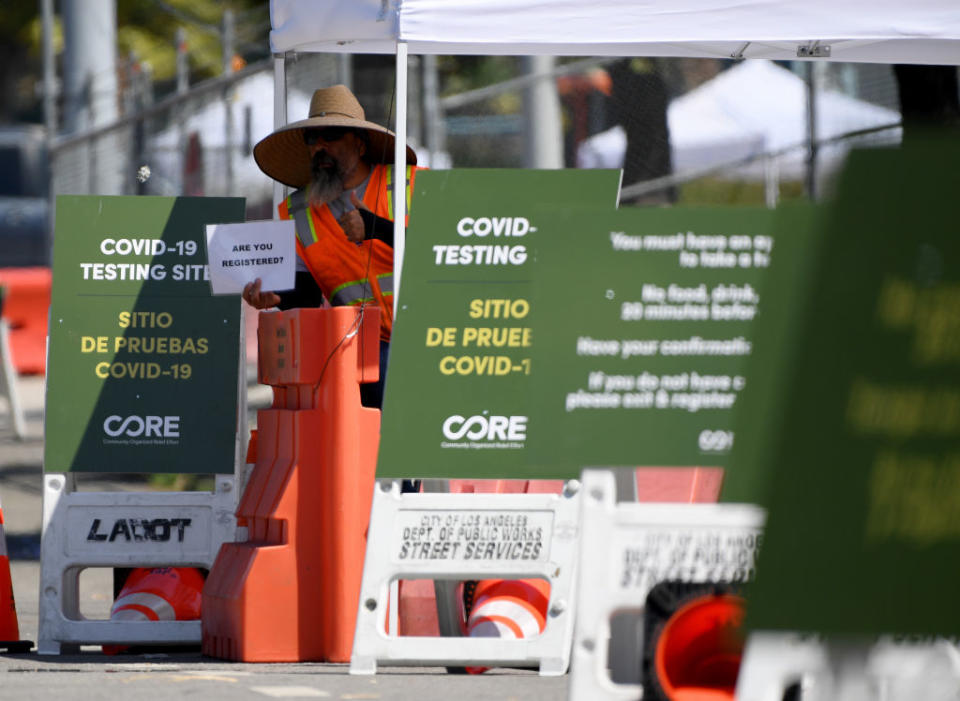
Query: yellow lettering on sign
<point x="494" y="337"/>
<point x="903" y="411"/>
<point x="913" y="498"/>
<point x="91" y="344"/>
<point x="441" y="337"/>
<point x="476" y="365"/>
<point x="498" y="308"/>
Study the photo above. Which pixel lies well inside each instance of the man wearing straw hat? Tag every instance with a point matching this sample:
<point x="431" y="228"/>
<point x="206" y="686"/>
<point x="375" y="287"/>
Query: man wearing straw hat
<point x="342" y="168"/>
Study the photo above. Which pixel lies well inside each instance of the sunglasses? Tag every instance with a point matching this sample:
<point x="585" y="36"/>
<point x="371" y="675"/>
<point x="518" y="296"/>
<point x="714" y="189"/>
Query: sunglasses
<point x="327" y="134"/>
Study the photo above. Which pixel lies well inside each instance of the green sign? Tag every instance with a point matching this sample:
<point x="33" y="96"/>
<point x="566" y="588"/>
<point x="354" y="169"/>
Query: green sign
<point x="863" y="438"/>
<point x="775" y="341"/>
<point x="461" y="353"/>
<point x="644" y="329"/>
<point x="540" y="332"/>
<point x="143" y="361"/>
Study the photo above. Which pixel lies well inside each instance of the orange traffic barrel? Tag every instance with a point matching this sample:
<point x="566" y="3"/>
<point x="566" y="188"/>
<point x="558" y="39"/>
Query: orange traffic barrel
<point x="26" y="301"/>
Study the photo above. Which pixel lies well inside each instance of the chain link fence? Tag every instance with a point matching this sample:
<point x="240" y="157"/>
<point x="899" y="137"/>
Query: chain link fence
<point x="197" y="143"/>
<point x="691" y="131"/>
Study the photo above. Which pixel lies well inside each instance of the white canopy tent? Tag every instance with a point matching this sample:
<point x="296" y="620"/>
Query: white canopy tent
<point x="878" y="31"/>
<point x="754" y="108"/>
<point x="881" y="31"/>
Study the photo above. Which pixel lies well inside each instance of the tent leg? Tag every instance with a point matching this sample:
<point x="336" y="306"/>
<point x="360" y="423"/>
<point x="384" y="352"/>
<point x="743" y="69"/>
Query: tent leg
<point x="400" y="182"/>
<point x="279" y="115"/>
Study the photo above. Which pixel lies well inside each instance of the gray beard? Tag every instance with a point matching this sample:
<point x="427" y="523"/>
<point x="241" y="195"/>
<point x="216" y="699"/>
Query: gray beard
<point x="325" y="187"/>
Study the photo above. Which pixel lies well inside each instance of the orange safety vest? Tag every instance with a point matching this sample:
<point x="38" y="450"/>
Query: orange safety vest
<point x="348" y="273"/>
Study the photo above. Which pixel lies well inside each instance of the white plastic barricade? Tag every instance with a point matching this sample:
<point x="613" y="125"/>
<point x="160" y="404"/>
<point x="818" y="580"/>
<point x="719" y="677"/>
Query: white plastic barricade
<point x="123" y="529"/>
<point x="627" y="548"/>
<point x="468" y="537"/>
<point x="848" y="670"/>
<point x="8" y="383"/>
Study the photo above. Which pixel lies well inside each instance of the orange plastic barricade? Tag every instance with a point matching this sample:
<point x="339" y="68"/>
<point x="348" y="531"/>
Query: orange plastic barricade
<point x="26" y="304"/>
<point x="290" y="593"/>
<point x="690" y="485"/>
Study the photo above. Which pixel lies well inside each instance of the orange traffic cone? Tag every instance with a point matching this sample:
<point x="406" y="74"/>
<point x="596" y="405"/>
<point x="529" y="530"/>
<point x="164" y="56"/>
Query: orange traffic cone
<point x="508" y="608"/>
<point x="9" y="629"/>
<point x="158" y="594"/>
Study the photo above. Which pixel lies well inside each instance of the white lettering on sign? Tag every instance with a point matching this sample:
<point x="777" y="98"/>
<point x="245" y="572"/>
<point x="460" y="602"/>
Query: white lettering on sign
<point x="701" y="251"/>
<point x="486" y="228"/>
<point x="502" y="428"/>
<point x="494" y="226"/>
<point x="687" y="555"/>
<point x="136" y="247"/>
<point x="464" y="536"/>
<point x="134" y="426"/>
<point x="686" y="391"/>
<point x="479" y="255"/>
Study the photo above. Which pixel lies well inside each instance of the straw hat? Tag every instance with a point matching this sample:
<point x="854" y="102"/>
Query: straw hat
<point x="284" y="157"/>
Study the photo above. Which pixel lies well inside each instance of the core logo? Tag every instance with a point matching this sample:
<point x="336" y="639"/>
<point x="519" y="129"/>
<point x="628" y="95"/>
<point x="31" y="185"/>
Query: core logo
<point x="146" y="426"/>
<point x="488" y="428"/>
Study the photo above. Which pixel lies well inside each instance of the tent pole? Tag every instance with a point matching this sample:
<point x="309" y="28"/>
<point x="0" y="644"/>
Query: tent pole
<point x="813" y="85"/>
<point x="399" y="181"/>
<point x="279" y="116"/>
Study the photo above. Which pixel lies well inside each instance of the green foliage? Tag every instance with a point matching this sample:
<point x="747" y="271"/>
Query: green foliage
<point x="145" y="28"/>
<point x="148" y="28"/>
<point x="19" y="59"/>
<point x="461" y="73"/>
<point x="16" y="23"/>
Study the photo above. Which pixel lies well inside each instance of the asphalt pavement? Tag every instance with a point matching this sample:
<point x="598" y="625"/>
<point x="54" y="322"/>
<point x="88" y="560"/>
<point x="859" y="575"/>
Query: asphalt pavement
<point x="175" y="675"/>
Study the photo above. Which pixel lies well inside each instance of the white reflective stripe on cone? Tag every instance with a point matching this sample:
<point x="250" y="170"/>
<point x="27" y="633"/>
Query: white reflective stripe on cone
<point x="500" y="608"/>
<point x="130" y="615"/>
<point x="157" y="604"/>
<point x="489" y="628"/>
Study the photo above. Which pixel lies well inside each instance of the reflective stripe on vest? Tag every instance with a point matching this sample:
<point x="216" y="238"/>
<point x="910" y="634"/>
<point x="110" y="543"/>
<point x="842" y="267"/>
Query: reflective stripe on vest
<point x="385" y="281"/>
<point x="297" y="206"/>
<point x="356" y="292"/>
<point x="409" y="190"/>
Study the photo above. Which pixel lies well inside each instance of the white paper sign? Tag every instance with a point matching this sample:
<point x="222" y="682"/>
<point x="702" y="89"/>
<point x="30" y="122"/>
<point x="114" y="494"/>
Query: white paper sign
<point x="240" y="253"/>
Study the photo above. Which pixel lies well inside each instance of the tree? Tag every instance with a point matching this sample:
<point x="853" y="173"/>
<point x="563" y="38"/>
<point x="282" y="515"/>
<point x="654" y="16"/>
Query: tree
<point x="146" y="28"/>
<point x="19" y="61"/>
